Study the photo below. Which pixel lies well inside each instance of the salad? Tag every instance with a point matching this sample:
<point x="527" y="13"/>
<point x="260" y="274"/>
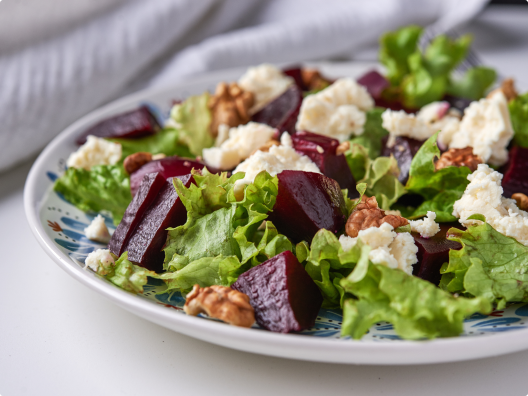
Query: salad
<point x="397" y="197"/>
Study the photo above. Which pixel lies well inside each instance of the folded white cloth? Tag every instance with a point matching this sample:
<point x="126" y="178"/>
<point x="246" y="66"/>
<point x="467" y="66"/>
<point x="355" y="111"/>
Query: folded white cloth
<point x="49" y="81"/>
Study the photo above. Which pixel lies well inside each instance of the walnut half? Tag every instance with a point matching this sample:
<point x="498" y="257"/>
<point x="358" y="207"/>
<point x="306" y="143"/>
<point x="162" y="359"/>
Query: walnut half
<point x="522" y="201"/>
<point x="459" y="157"/>
<point x="135" y="161"/>
<point x="367" y="214"/>
<point x="230" y="106"/>
<point x="224" y="303"/>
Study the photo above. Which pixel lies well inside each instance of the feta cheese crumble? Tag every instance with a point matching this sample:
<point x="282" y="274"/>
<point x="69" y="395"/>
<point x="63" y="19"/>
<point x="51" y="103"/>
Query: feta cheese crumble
<point x="276" y="160"/>
<point x="388" y="248"/>
<point x="427" y="227"/>
<point x="97" y="230"/>
<point x="100" y="261"/>
<point x="487" y="128"/>
<point x="337" y="111"/>
<point x="483" y="195"/>
<point x="96" y="151"/>
<point x="266" y="82"/>
<point x="242" y="141"/>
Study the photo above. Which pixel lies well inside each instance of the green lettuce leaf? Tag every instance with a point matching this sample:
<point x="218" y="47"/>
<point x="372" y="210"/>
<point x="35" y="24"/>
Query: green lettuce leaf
<point x="519" y="118"/>
<point x="126" y="275"/>
<point x="490" y="265"/>
<point x="192" y="119"/>
<point x="373" y="133"/>
<point x="379" y="175"/>
<point x="416" y="308"/>
<point x="103" y="188"/>
<point x="166" y="141"/>
<point x="474" y="84"/>
<point x="441" y="188"/>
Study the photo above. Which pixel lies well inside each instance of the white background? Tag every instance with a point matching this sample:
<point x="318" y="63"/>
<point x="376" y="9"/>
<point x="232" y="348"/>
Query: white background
<point x="57" y="337"/>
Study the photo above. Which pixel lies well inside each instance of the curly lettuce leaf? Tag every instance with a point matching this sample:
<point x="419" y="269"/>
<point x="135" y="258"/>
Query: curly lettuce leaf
<point x="192" y="119"/>
<point x="126" y="275"/>
<point x="373" y="133"/>
<point x="416" y="308"/>
<point x="379" y="175"/>
<point x="489" y="265"/>
<point x="474" y="84"/>
<point x="519" y="118"/>
<point x="441" y="188"/>
<point x="103" y="188"/>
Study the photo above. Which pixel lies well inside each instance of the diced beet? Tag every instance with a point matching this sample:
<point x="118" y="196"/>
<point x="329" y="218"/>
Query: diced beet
<point x="282" y="293"/>
<point x="132" y="124"/>
<point x="322" y="151"/>
<point x="433" y="252"/>
<point x="404" y="149"/>
<point x="282" y="112"/>
<point x="374" y="82"/>
<point x="148" y="191"/>
<point x="296" y="74"/>
<point x="515" y="178"/>
<point x="167" y="167"/>
<point x="145" y="244"/>
<point x="307" y="202"/>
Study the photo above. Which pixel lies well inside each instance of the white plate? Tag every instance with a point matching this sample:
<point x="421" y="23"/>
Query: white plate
<point x="58" y="226"/>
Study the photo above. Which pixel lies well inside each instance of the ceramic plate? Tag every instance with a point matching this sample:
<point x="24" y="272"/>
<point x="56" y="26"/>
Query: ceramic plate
<point x="58" y="226"/>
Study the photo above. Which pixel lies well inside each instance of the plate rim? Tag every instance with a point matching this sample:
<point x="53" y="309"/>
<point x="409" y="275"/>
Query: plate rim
<point x="293" y="346"/>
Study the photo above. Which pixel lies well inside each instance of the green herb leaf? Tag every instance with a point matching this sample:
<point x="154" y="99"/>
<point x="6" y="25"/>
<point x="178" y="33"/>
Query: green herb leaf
<point x="372" y="134"/>
<point x="519" y="118"/>
<point x="474" y="84"/>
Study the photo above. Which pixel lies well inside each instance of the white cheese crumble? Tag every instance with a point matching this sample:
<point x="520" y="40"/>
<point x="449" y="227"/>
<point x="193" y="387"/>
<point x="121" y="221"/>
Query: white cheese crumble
<point x="241" y="143"/>
<point x="388" y="248"/>
<point x="97" y="230"/>
<point x="100" y="258"/>
<point x="266" y="82"/>
<point x="96" y="151"/>
<point x="276" y="160"/>
<point x="487" y="128"/>
<point x="337" y="111"/>
<point x="427" y="227"/>
<point x="483" y="195"/>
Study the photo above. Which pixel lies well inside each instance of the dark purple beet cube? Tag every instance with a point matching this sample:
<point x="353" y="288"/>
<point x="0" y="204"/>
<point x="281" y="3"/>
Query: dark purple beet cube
<point x="515" y="178"/>
<point x="148" y="191"/>
<point x="433" y="252"/>
<point x="322" y="151"/>
<point x="282" y="112"/>
<point x="282" y="293"/>
<point x="132" y="124"/>
<point x="166" y="167"/>
<point x="403" y="150"/>
<point x="145" y="244"/>
<point x="296" y="74"/>
<point x="307" y="202"/>
<point x="374" y="82"/>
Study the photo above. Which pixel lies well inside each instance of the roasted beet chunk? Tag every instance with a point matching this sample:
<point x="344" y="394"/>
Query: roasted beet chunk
<point x="145" y="244"/>
<point x="282" y="112"/>
<point x="322" y="151"/>
<point x="306" y="203"/>
<point x="515" y="178"/>
<point x="296" y="74"/>
<point x="148" y="191"/>
<point x="433" y="252"/>
<point x="374" y="82"/>
<point x="404" y="149"/>
<point x="167" y="167"/>
<point x="133" y="124"/>
<point x="282" y="293"/>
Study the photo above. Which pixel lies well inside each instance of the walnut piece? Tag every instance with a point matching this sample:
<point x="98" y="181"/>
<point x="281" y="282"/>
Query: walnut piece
<point x="459" y="157"/>
<point x="367" y="214"/>
<point x="342" y="148"/>
<point x="269" y="144"/>
<point x="224" y="303"/>
<point x="508" y="89"/>
<point x="313" y="79"/>
<point x="522" y="201"/>
<point x="135" y="161"/>
<point x="230" y="106"/>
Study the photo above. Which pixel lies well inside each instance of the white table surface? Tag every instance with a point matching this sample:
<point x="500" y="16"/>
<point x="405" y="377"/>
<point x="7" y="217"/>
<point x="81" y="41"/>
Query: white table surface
<point x="57" y="337"/>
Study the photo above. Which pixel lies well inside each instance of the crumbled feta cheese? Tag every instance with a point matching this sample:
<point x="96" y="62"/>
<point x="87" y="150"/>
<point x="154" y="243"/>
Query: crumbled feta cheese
<point x="388" y="248"/>
<point x="483" y="195"/>
<point x="427" y="227"/>
<point x="433" y="112"/>
<point x="487" y="128"/>
<point x="276" y="160"/>
<point x="223" y="134"/>
<point x="336" y="111"/>
<point x="96" y="151"/>
<point x="99" y="260"/>
<point x="266" y="82"/>
<point x="97" y="230"/>
<point x="243" y="140"/>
